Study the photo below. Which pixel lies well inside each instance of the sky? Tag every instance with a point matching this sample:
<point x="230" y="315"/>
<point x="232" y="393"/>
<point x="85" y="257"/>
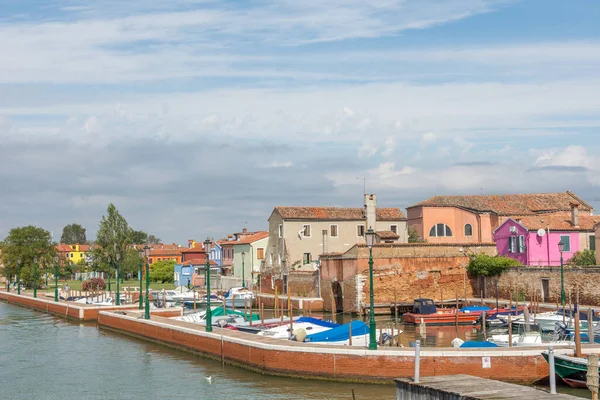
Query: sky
<point x="197" y="117"/>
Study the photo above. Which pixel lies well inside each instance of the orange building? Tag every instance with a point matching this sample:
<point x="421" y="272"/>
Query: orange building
<point x="164" y="252"/>
<point x="473" y="219"/>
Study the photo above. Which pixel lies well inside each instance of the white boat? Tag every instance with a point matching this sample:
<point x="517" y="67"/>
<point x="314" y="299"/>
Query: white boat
<point x="97" y="301"/>
<point x="526" y="339"/>
<point x="238" y="297"/>
<point x="310" y="325"/>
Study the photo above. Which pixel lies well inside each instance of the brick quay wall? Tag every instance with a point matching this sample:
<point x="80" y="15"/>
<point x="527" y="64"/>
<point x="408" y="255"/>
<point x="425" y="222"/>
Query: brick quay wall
<point x="280" y="357"/>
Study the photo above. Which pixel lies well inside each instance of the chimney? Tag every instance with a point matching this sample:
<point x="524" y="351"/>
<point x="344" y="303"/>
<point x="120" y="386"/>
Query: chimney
<point x="190" y="243"/>
<point x="575" y="214"/>
<point x="370" y="207"/>
<point x="245" y="230"/>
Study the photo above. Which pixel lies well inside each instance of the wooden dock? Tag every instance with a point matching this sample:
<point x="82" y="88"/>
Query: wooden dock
<point x="460" y="387"/>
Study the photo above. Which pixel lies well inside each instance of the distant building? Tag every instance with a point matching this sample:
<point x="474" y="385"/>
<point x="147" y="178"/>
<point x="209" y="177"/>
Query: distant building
<point x="460" y="219"/>
<point x="249" y="251"/>
<point x="533" y="240"/>
<point x="73" y="253"/>
<point x="299" y="235"/>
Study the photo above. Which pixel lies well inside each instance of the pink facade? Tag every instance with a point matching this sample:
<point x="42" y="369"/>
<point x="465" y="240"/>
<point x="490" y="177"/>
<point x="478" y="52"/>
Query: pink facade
<point x="532" y="249"/>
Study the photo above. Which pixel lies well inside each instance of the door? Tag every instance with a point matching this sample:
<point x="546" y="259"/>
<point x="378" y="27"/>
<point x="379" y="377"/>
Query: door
<point x="336" y="288"/>
<point x="546" y="290"/>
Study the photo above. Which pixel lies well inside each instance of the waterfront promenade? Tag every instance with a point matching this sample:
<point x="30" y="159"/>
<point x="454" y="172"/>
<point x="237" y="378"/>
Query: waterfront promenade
<point x="288" y="358"/>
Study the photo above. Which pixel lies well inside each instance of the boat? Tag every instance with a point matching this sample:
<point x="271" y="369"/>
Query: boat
<point x="425" y="311"/>
<point x="108" y="301"/>
<point x="526" y="339"/>
<point x="572" y="370"/>
<point x="309" y="324"/>
<point x="340" y="335"/>
<point x="202" y="302"/>
<point x="238" y="297"/>
<point x="220" y="317"/>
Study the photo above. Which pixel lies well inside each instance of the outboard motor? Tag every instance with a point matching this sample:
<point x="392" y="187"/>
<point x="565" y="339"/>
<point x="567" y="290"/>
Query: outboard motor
<point x="561" y="331"/>
<point x="387" y="339"/>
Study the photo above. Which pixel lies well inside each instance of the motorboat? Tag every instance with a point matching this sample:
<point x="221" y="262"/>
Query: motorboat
<point x="202" y="301"/>
<point x="340" y="335"/>
<point x="572" y="370"/>
<point x="97" y="301"/>
<point x="309" y="324"/>
<point x="238" y="297"/>
<point x="425" y="311"/>
<point x="526" y="339"/>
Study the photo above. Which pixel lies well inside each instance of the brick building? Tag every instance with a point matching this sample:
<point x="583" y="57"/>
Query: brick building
<point x="402" y="272"/>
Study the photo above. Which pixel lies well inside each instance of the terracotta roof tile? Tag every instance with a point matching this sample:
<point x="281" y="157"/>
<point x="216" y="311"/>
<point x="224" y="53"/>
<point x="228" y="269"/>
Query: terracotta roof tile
<point x="510" y="204"/>
<point x="337" y="213"/>
<point x="556" y="221"/>
<point x="252" y="238"/>
<point x="387" y="235"/>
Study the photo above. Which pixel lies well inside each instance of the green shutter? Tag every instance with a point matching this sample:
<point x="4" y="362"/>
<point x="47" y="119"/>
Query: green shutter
<point x="593" y="243"/>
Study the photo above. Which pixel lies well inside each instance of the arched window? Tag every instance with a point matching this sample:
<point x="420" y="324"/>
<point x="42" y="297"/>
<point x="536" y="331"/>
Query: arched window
<point x="440" y="230"/>
<point x="468" y="230"/>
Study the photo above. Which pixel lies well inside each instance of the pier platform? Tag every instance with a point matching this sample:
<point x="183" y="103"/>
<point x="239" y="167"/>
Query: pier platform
<point x="460" y="387"/>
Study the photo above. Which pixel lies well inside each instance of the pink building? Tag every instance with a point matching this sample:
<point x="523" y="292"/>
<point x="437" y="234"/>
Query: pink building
<point x="533" y="240"/>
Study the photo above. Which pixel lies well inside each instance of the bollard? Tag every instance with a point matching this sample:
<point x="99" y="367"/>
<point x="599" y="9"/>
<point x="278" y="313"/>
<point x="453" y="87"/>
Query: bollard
<point x="552" y="372"/>
<point x="417" y="360"/>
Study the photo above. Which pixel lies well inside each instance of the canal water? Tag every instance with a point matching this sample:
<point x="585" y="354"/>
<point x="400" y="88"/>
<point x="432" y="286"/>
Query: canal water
<point x="44" y="357"/>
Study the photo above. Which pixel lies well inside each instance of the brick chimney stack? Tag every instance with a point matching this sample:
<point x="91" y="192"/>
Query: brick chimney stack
<point x="575" y="214"/>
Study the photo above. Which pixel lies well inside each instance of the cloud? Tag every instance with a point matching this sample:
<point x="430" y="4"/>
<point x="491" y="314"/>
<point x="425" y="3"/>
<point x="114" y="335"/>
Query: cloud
<point x="278" y="164"/>
<point x="389" y="146"/>
<point x="367" y="150"/>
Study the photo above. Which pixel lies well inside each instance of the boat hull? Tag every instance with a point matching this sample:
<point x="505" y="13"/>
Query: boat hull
<point x="572" y="370"/>
<point x="447" y="318"/>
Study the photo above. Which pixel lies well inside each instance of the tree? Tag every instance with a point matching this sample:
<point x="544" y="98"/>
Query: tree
<point x="162" y="271"/>
<point x="413" y="236"/>
<point x="112" y="239"/>
<point x="154" y="240"/>
<point x="139" y="237"/>
<point x="484" y="265"/>
<point x="583" y="258"/>
<point x="73" y="234"/>
<point x="25" y="243"/>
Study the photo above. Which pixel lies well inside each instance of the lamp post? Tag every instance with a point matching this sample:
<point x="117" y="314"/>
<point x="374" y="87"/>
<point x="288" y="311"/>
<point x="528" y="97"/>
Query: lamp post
<point x="55" y="278"/>
<point x="147" y="298"/>
<point x="141" y="299"/>
<point x="561" y="248"/>
<point x="370" y="237"/>
<point x="117" y="258"/>
<point x="35" y="261"/>
<point x="243" y="274"/>
<point x="19" y="275"/>
<point x="207" y="246"/>
<point x="8" y="277"/>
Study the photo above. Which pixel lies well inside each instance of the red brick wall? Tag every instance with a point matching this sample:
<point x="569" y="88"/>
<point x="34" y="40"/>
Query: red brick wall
<point x="372" y="366"/>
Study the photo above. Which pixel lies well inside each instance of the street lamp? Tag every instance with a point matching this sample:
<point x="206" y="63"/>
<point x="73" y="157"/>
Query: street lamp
<point x="141" y="299"/>
<point x="118" y="257"/>
<point x="207" y="246"/>
<point x="19" y="275"/>
<point x="35" y="261"/>
<point x="55" y="278"/>
<point x="8" y="278"/>
<point x="561" y="248"/>
<point x="370" y="237"/>
<point x="243" y="274"/>
<point x="147" y="311"/>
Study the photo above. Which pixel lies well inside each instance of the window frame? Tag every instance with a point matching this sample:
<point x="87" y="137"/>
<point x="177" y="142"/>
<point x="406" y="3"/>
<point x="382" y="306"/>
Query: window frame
<point x="521" y="244"/>
<point x="470" y="230"/>
<point x="568" y="242"/>
<point x="446" y="230"/>
<point x="304" y="226"/>
<point x="337" y="230"/>
<point x="360" y="228"/>
<point x="280" y="231"/>
<point x="260" y="253"/>
<point x="394" y="228"/>
<point x="592" y="242"/>
<point x="306" y="260"/>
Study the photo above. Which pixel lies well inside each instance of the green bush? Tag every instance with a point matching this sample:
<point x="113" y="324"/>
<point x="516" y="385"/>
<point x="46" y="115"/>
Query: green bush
<point x="484" y="265"/>
<point x="585" y="257"/>
<point x="162" y="271"/>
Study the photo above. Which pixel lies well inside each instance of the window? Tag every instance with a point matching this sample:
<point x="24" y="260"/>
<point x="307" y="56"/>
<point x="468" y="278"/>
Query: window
<point x="307" y="258"/>
<point x="150" y="260"/>
<point x="280" y="230"/>
<point x="394" y="228"/>
<point x="271" y="258"/>
<point x="260" y="253"/>
<point x="512" y="244"/>
<point x="333" y="230"/>
<point x="440" y="230"/>
<point x="593" y="242"/>
<point x="360" y="230"/>
<point x="521" y="244"/>
<point x="306" y="230"/>
<point x="567" y="243"/>
<point x="468" y="230"/>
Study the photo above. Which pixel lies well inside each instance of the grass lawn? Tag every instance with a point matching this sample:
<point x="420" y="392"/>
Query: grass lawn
<point x="76" y="285"/>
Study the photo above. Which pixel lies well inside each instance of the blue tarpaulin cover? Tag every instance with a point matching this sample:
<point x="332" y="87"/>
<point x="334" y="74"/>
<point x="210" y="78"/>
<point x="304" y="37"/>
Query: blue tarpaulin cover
<point x="318" y="322"/>
<point x="340" y="333"/>
<point x="474" y="344"/>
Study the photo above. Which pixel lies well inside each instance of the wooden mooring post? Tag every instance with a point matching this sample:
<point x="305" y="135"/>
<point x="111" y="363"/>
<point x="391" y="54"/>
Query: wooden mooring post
<point x="592" y="375"/>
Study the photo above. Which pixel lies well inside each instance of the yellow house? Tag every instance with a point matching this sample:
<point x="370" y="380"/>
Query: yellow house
<point x="73" y="252"/>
